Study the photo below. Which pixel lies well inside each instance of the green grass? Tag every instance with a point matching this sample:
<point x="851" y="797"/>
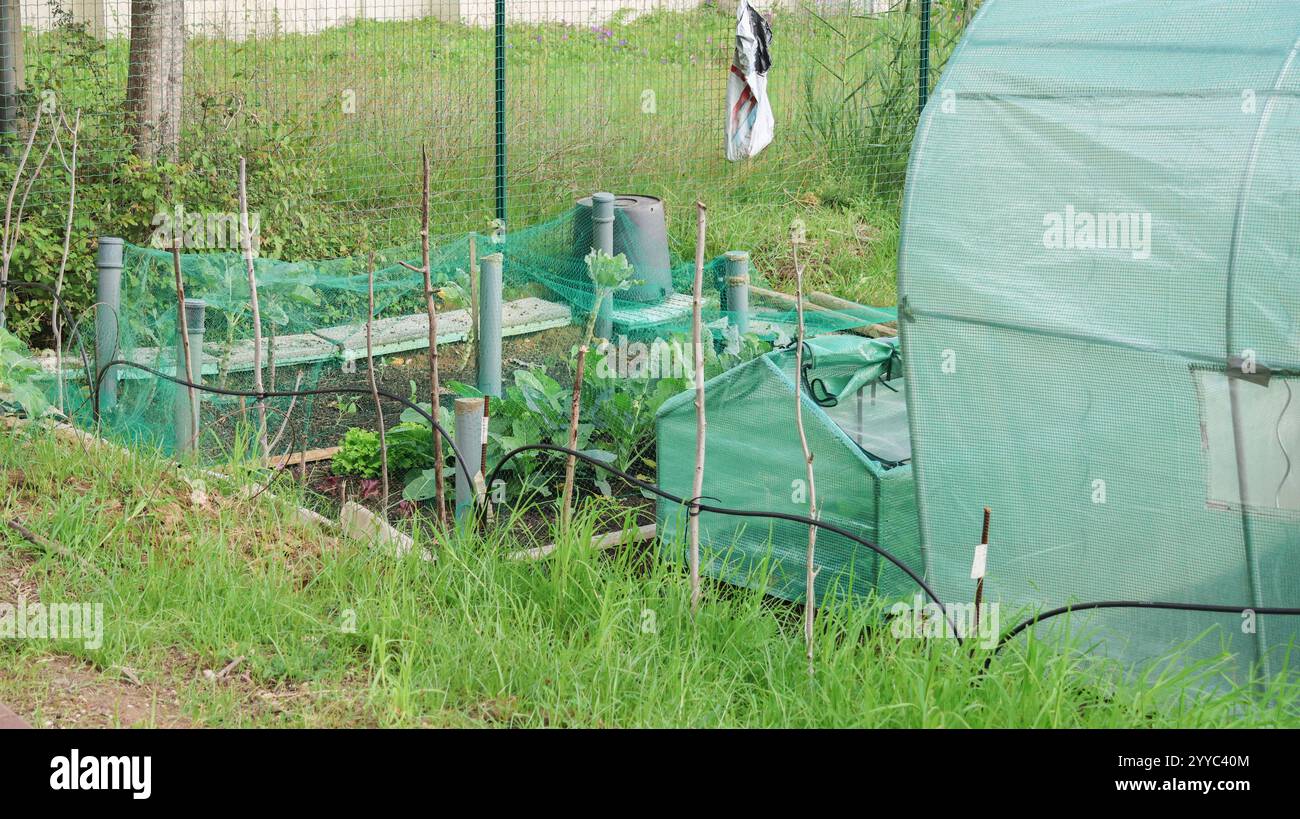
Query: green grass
<point x="475" y="639"/>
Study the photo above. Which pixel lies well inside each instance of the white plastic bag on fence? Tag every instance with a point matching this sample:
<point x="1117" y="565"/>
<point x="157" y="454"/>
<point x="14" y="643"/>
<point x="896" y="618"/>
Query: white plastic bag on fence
<point x="749" y="114"/>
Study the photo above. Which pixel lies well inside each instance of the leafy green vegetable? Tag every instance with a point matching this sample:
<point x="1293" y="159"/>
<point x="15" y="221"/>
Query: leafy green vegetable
<point x="358" y="454"/>
<point x="609" y="275"/>
<point x="18" y="377"/>
<point x="617" y="423"/>
<point x="410" y="446"/>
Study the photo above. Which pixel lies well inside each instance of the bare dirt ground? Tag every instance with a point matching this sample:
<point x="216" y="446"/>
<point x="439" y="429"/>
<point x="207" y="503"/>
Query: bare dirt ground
<point x="61" y="692"/>
<point x="53" y="690"/>
<point x="57" y="691"/>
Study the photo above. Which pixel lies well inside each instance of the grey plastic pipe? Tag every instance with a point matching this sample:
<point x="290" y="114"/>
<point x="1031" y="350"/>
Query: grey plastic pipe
<point x="738" y="289"/>
<point x="469" y="443"/>
<point x="489" y="325"/>
<point x="602" y="237"/>
<point x="108" y="296"/>
<point x="186" y="412"/>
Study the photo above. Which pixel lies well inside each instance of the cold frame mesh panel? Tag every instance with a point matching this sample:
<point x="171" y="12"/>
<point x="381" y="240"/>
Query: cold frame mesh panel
<point x="754" y="460"/>
<point x="898" y="532"/>
<point x="1096" y="223"/>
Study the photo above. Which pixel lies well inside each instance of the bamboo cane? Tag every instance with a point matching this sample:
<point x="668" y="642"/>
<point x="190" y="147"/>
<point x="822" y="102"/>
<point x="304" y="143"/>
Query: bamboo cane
<point x="374" y="383"/>
<point x="810" y="591"/>
<point x="246" y="239"/>
<point x="697" y="486"/>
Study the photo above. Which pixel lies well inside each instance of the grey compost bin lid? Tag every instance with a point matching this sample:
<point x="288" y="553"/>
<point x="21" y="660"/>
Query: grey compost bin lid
<point x="641" y="232"/>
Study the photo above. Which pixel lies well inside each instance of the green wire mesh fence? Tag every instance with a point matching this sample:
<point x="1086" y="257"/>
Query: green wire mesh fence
<point x="526" y="110"/>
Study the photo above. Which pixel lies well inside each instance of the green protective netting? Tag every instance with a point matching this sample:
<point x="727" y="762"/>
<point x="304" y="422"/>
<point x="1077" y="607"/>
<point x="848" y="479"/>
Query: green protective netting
<point x="314" y="315"/>
<point x="856" y="422"/>
<point x="1099" y="219"/>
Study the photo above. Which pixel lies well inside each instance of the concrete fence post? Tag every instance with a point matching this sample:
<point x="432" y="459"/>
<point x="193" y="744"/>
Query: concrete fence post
<point x="108" y="296"/>
<point x="489" y="325"/>
<point x="738" y="289"/>
<point x="469" y="442"/>
<point x="602" y="237"/>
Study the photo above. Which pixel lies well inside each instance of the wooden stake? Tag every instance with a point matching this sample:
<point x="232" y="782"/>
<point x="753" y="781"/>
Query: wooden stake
<point x="374" y="384"/>
<point x="810" y="592"/>
<point x="472" y="339"/>
<point x="56" y="317"/>
<point x="9" y="238"/>
<point x="270" y="353"/>
<point x="571" y="462"/>
<point x="288" y="414"/>
<point x="435" y="389"/>
<point x="302" y="462"/>
<point x="223" y="368"/>
<point x="246" y="239"/>
<point x="697" y="486"/>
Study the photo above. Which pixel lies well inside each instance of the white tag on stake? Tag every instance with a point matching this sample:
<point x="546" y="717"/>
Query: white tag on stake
<point x="981" y="558"/>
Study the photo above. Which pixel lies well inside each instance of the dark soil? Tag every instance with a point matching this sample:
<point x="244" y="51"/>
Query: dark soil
<point x="320" y="421"/>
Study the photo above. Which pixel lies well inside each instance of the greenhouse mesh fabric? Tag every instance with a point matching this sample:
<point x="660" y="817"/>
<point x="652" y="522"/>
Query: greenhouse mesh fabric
<point x="754" y="460"/>
<point x="313" y="321"/>
<point x="1099" y="220"/>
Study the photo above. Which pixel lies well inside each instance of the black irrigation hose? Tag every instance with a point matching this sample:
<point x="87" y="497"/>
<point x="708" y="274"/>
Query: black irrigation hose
<point x="696" y="507"/>
<point x="1006" y="638"/>
<point x="1140" y="604"/>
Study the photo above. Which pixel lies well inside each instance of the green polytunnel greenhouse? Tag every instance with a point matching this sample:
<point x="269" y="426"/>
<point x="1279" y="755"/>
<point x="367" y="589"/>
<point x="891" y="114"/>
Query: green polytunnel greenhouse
<point x="1100" y="313"/>
<point x="855" y="416"/>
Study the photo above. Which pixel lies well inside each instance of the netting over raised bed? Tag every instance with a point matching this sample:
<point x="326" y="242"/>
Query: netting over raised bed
<point x="314" y="326"/>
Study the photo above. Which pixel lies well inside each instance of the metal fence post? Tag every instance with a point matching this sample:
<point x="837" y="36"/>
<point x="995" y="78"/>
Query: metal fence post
<point x="108" y="296"/>
<point x="500" y="71"/>
<point x="489" y="325"/>
<point x="185" y="418"/>
<point x="923" y="78"/>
